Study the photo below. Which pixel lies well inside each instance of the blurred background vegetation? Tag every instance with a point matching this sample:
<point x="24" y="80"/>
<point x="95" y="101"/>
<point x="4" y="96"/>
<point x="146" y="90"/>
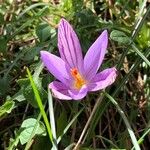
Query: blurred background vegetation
<point x="28" y="26"/>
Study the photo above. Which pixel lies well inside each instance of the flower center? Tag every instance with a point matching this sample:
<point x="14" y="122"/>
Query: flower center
<point x="78" y="79"/>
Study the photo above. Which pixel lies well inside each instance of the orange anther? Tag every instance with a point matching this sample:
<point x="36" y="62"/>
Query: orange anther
<point x="78" y="79"/>
<point x="74" y="72"/>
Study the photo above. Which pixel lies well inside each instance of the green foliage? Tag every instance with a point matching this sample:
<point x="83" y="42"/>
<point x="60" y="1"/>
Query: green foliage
<point x="120" y="37"/>
<point x="4" y="82"/>
<point x="3" y="45"/>
<point x="43" y="32"/>
<point x="61" y="122"/>
<point x="7" y="107"/>
<point x="27" y="128"/>
<point x="26" y="90"/>
<point x="143" y="37"/>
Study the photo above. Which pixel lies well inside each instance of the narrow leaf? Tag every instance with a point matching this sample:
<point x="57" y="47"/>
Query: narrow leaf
<point x="39" y="101"/>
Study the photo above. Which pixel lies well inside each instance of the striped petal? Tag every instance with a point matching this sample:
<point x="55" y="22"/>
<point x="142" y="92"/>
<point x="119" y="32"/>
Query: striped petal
<point x="56" y="66"/>
<point x="103" y="79"/>
<point x="60" y="90"/>
<point x="69" y="46"/>
<point x="95" y="55"/>
<point x="78" y="94"/>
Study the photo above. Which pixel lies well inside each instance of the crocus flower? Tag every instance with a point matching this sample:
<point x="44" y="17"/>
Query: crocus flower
<point x="77" y="76"/>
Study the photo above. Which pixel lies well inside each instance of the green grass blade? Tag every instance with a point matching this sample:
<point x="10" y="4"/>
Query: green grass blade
<point x="52" y="119"/>
<point x="141" y="139"/>
<point x="31" y="7"/>
<point x="39" y="101"/>
<point x="141" y="55"/>
<point x="141" y="8"/>
<point x="131" y="133"/>
<point x="138" y="24"/>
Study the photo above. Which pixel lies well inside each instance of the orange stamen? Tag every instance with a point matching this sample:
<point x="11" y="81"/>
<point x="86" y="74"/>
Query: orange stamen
<point x="78" y="79"/>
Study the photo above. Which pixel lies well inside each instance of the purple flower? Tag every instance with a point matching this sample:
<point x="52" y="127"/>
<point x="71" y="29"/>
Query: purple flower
<point x="76" y="75"/>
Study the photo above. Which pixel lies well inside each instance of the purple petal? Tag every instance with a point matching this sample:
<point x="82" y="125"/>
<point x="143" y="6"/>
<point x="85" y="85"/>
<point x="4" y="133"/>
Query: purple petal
<point x="78" y="94"/>
<point x="69" y="46"/>
<point x="95" y="55"/>
<point x="103" y="79"/>
<point x="56" y="66"/>
<point x="59" y="90"/>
